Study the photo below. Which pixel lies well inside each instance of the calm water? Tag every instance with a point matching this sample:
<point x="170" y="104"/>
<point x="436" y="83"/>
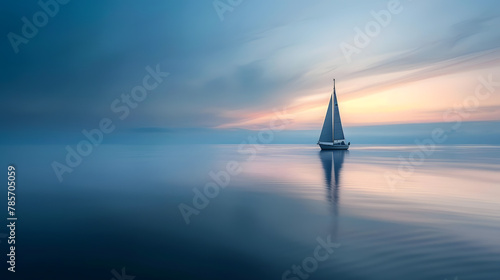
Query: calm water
<point x="120" y="209"/>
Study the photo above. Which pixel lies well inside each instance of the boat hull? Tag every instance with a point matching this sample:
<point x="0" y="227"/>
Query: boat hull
<point x="333" y="147"/>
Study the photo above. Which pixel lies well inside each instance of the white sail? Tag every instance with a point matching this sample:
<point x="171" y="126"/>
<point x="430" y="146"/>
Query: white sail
<point x="332" y="134"/>
<point x="327" y="132"/>
<point x="338" y="132"/>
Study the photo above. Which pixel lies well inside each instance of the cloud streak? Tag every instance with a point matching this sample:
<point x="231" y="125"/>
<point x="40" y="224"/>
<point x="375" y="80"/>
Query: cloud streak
<point x="230" y="74"/>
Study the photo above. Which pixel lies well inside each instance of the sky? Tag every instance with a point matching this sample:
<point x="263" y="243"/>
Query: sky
<point x="232" y="65"/>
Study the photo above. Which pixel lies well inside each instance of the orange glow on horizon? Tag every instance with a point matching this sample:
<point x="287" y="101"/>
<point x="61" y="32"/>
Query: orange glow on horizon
<point x="423" y="101"/>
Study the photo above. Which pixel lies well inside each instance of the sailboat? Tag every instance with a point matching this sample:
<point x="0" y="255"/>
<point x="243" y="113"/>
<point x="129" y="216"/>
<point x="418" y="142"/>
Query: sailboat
<point x="332" y="134"/>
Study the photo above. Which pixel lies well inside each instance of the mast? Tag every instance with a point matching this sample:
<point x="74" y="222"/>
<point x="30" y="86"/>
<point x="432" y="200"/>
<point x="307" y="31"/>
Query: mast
<point x="333" y="105"/>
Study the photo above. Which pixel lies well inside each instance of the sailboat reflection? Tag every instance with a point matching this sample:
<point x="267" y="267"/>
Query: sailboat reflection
<point x="332" y="161"/>
<point x="332" y="164"/>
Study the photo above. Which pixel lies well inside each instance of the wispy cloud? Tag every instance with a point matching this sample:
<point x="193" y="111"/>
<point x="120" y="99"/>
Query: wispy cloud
<point x="233" y="73"/>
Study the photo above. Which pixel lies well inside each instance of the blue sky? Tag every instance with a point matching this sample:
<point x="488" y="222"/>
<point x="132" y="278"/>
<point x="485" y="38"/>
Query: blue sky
<point x="233" y="73"/>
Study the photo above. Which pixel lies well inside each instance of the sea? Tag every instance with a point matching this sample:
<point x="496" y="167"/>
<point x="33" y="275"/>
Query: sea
<point x="254" y="212"/>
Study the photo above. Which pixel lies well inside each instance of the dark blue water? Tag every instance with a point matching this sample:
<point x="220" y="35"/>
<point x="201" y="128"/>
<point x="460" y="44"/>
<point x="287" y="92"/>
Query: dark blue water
<point x="119" y="209"/>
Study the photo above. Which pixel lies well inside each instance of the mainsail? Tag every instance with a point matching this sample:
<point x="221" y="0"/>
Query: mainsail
<point x="332" y="127"/>
<point x="338" y="132"/>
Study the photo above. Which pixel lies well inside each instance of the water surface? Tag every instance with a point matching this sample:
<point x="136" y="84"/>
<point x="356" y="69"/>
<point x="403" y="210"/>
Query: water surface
<point x="120" y="209"/>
